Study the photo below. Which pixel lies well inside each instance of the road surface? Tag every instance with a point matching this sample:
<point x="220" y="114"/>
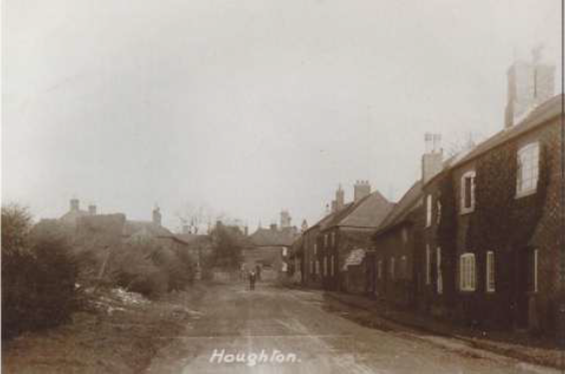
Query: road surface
<point x="274" y="330"/>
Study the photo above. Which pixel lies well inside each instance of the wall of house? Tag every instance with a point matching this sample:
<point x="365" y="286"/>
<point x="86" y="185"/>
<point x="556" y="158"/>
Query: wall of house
<point x="436" y="295"/>
<point x="514" y="303"/>
<point x="311" y="277"/>
<point x="346" y="240"/>
<point x="268" y="258"/>
<point x="398" y="288"/>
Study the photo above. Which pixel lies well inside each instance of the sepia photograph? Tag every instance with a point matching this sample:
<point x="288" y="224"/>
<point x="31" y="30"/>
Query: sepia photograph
<point x="270" y="186"/>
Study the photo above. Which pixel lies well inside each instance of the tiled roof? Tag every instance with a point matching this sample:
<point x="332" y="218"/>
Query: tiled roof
<point x="368" y="212"/>
<point x="273" y="237"/>
<point x="401" y="210"/>
<point x="71" y="216"/>
<point x="134" y="227"/>
<point x="188" y="238"/>
<point x="334" y="218"/>
<point x="537" y="117"/>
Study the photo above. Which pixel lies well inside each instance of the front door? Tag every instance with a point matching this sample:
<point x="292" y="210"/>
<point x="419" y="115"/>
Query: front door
<point x="522" y="276"/>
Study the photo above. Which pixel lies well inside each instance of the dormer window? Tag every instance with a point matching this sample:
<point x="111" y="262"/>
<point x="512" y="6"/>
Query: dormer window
<point x="468" y="192"/>
<point x="527" y="172"/>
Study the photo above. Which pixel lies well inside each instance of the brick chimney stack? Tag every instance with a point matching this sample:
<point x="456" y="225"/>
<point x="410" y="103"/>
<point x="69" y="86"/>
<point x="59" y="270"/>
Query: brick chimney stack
<point x="361" y="189"/>
<point x="75" y="205"/>
<point x="432" y="160"/>
<point x="304" y="226"/>
<point x="339" y="198"/>
<point x="157" y="216"/>
<point x="334" y="206"/>
<point x="92" y="209"/>
<point x="530" y="83"/>
<point x="285" y="219"/>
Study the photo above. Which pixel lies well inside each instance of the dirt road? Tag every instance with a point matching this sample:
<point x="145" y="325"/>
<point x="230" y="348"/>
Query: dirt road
<point x="272" y="330"/>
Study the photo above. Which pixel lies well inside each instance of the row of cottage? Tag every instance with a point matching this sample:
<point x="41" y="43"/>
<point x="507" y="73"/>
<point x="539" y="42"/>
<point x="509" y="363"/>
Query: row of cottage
<point x="478" y="239"/>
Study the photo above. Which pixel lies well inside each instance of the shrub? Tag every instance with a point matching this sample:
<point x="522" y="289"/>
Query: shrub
<point x="38" y="273"/>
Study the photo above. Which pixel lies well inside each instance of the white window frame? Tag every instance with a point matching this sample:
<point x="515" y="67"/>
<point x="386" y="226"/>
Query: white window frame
<point x="404" y="235"/>
<point x="429" y="201"/>
<point x="403" y="267"/>
<point x="463" y="208"/>
<point x="380" y="269"/>
<point x="325" y="240"/>
<point x="467" y="272"/>
<point x="527" y="171"/>
<point x="284" y="251"/>
<point x="438" y="215"/>
<point x="490" y="272"/>
<point x="392" y="266"/>
<point x="439" y="280"/>
<point x="428" y="265"/>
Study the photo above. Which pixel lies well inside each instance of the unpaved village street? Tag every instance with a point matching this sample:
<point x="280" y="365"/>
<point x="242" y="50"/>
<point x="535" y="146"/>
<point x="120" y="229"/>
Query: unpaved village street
<point x="204" y="329"/>
<point x="235" y="321"/>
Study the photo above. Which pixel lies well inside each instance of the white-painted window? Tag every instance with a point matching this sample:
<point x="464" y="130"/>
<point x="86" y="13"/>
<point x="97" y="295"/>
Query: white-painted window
<point x="428" y="265"/>
<point x="439" y="280"/>
<point x="325" y="240"/>
<point x="392" y="266"/>
<point x="284" y="267"/>
<point x="490" y="283"/>
<point x="428" y="210"/>
<point x="468" y="192"/>
<point x="528" y="169"/>
<point x="438" y="214"/>
<point x="284" y="251"/>
<point x="535" y="271"/>
<point x="404" y="235"/>
<point x="403" y="267"/>
<point x="467" y="274"/>
<point x="380" y="269"/>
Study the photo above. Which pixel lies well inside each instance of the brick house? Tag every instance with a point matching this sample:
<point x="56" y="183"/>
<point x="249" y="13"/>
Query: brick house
<point x="492" y="234"/>
<point x="70" y="218"/>
<point x="269" y="249"/>
<point x="347" y="230"/>
<point x="395" y="243"/>
<point x="309" y="253"/>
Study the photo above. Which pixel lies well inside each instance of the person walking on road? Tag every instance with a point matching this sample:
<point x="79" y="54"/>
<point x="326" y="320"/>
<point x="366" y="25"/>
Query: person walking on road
<point x="252" y="279"/>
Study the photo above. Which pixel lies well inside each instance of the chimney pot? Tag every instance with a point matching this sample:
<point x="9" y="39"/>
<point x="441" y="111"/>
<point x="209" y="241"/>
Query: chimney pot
<point x="432" y="160"/>
<point x="157" y="216"/>
<point x="361" y="189"/>
<point x="75" y="205"/>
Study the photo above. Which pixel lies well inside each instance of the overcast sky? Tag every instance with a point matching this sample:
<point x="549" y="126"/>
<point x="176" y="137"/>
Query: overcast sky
<point x="247" y="106"/>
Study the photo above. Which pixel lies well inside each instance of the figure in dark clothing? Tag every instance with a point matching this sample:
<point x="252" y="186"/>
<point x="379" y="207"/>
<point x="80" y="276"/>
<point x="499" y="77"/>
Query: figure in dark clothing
<point x="252" y="279"/>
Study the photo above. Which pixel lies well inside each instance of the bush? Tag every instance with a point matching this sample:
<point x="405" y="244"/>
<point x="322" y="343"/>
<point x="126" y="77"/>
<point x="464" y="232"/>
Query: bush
<point x="38" y="273"/>
<point x="148" y="268"/>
